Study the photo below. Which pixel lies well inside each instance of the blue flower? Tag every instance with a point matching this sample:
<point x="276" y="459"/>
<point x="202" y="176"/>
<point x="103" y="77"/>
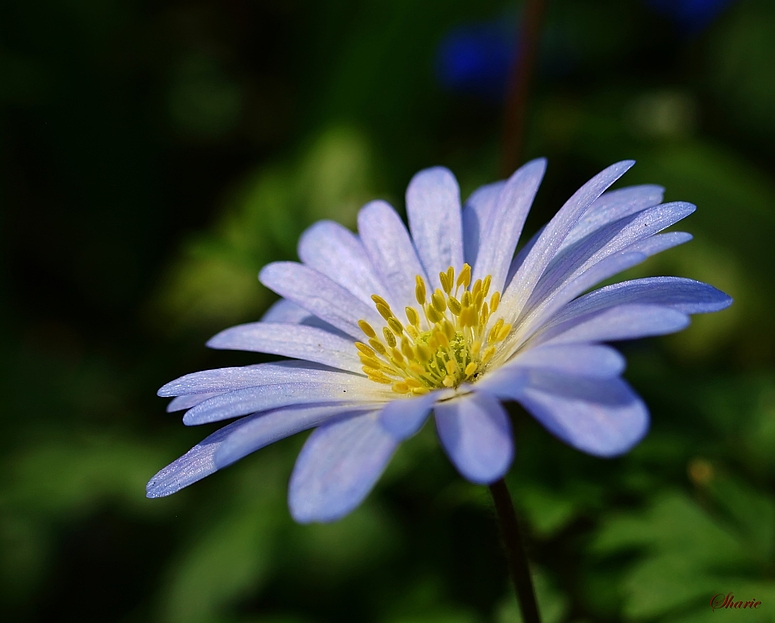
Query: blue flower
<point x="387" y="326"/>
<point x="690" y="15"/>
<point x="478" y="58"/>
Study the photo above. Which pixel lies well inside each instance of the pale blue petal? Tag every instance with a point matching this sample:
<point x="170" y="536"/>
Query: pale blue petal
<point x="545" y="312"/>
<point x="640" y="226"/>
<point x="660" y="242"/>
<point x="180" y="403"/>
<point x="318" y="294"/>
<point x="587" y="360"/>
<point x="685" y="295"/>
<point x="600" y="417"/>
<point x="262" y="429"/>
<point x="523" y="252"/>
<point x="192" y="466"/>
<point x="338" y="467"/>
<point x="291" y="340"/>
<point x="476" y="435"/>
<point x="622" y="322"/>
<point x="285" y="312"/>
<point x="612" y="206"/>
<point x="223" y="380"/>
<point x="622" y="235"/>
<point x="327" y="387"/>
<point x="501" y="231"/>
<point x="391" y="252"/>
<point x="476" y="212"/>
<point x="403" y="417"/>
<point x="433" y="208"/>
<point x="545" y="248"/>
<point x="505" y="382"/>
<point x="336" y="252"/>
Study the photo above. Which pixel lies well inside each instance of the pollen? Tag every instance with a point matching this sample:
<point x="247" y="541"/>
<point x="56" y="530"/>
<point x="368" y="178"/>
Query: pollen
<point x="450" y="336"/>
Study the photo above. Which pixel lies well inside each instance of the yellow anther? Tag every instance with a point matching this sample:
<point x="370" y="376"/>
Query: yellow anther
<point x="494" y="331"/>
<point x="445" y="343"/>
<point x="417" y="369"/>
<point x="395" y="325"/>
<point x="419" y="290"/>
<point x="444" y="282"/>
<point x="467" y="317"/>
<point x="464" y="278"/>
<point x="364" y="349"/>
<point x="389" y="337"/>
<point x="368" y="361"/>
<point x="378" y="346"/>
<point x="400" y="388"/>
<point x="378" y="300"/>
<point x="439" y="304"/>
<point x="424" y="352"/>
<point x="384" y="311"/>
<point x="432" y="314"/>
<point x="366" y="328"/>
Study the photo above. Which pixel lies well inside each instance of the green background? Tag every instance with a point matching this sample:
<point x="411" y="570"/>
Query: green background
<point x="154" y="155"/>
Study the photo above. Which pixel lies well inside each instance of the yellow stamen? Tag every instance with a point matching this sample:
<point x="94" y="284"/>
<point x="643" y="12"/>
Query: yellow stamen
<point x="419" y="290"/>
<point x="378" y="346"/>
<point x="464" y="279"/>
<point x="389" y="337"/>
<point x="396" y="326"/>
<point x="448" y="340"/>
<point x="438" y="300"/>
<point x="366" y="328"/>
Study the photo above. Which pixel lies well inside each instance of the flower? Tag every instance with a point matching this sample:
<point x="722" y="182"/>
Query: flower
<point x="385" y="327"/>
<point x="478" y="58"/>
<point x="691" y="16"/>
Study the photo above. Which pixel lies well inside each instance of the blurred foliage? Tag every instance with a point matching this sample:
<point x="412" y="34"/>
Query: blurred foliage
<point x="153" y="156"/>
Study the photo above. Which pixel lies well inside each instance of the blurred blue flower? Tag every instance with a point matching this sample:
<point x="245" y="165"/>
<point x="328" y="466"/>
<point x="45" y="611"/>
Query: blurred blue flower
<point x="389" y="325"/>
<point x="691" y="16"/>
<point x="477" y="58"/>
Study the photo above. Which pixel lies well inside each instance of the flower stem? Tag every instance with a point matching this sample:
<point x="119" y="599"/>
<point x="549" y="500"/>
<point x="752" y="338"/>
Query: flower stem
<point x="519" y="85"/>
<point x="515" y="552"/>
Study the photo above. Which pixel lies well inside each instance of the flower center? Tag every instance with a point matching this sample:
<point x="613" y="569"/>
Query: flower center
<point x="447" y="342"/>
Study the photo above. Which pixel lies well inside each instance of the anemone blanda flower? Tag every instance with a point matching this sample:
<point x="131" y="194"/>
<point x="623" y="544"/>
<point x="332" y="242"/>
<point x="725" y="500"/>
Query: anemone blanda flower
<point x="386" y="327"/>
